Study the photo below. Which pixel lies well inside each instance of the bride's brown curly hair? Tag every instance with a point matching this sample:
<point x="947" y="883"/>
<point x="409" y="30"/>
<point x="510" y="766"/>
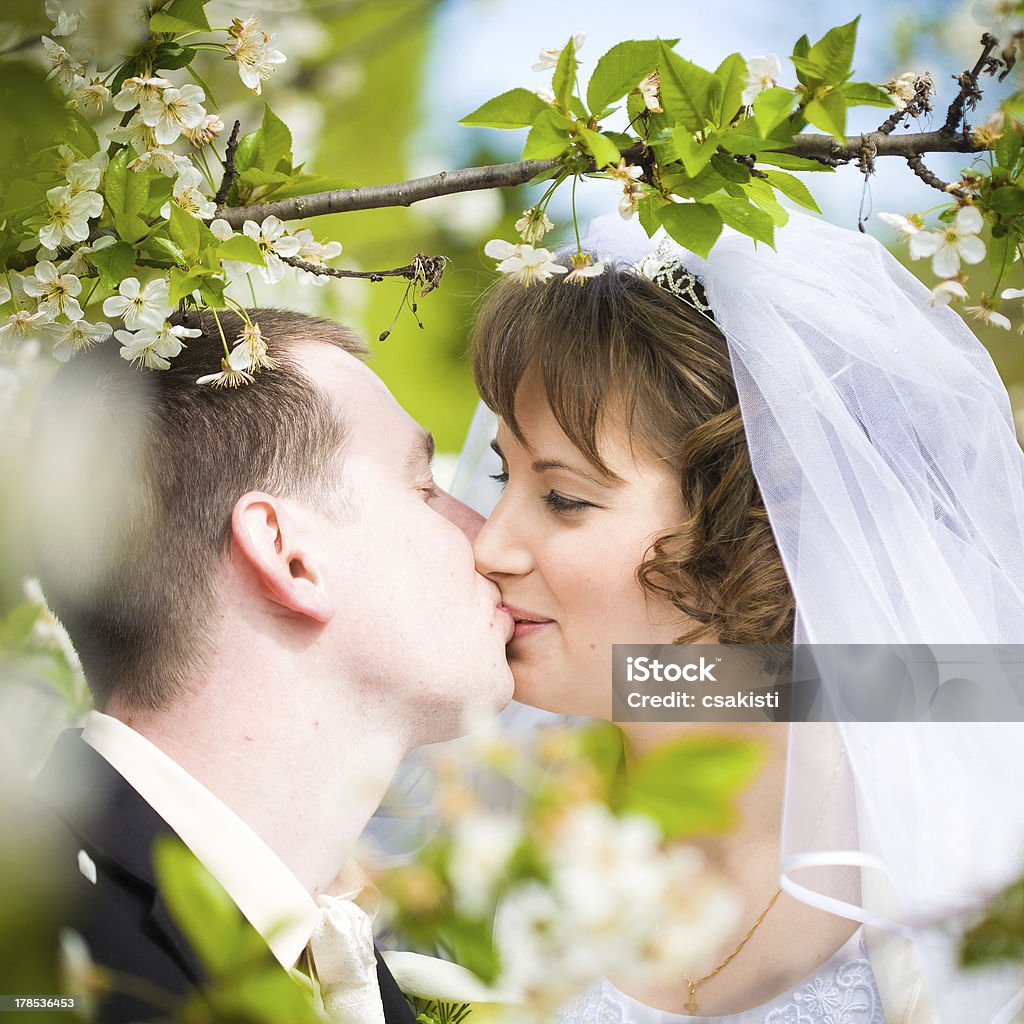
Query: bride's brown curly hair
<point x="621" y="347"/>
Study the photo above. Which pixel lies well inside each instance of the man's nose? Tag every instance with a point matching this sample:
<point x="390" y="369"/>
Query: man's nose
<point x="465" y="518"/>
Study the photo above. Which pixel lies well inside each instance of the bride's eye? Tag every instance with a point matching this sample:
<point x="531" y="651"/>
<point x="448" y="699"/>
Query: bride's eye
<point x="501" y="478"/>
<point x="561" y="504"/>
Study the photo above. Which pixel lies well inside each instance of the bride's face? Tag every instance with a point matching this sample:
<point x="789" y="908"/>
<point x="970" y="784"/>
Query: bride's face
<point x="563" y="545"/>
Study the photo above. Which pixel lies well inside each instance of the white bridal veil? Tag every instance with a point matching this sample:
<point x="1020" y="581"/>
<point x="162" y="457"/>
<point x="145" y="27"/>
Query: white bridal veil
<point x="882" y="440"/>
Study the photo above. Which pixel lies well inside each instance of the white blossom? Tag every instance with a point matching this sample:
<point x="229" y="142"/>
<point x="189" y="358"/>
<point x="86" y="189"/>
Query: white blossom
<point x="164" y="161"/>
<point x="905" y="227"/>
<point x="78" y="336"/>
<point x="154" y="347"/>
<point x="87" y="866"/>
<point x="90" y="97"/>
<point x="5" y="293"/>
<point x="1001" y="16"/>
<point x="648" y="88"/>
<point x="482" y="845"/>
<point x="78" y="262"/>
<point x="902" y="88"/>
<point x="140" y="307"/>
<point x="274" y="243"/>
<point x="954" y="242"/>
<point x="584" y="267"/>
<point x="254" y="51"/>
<point x="523" y="262"/>
<point x="312" y="251"/>
<point x="548" y="59"/>
<point x="234" y="371"/>
<point x="255" y="347"/>
<point x="173" y="111"/>
<point x="67" y="216"/>
<point x="986" y="313"/>
<point x="65" y="22"/>
<point x="946" y="291"/>
<point x="84" y="176"/>
<point x="762" y="73"/>
<point x="189" y="196"/>
<point x="61" y="65"/>
<point x="138" y="90"/>
<point x="136" y="133"/>
<point x="56" y="293"/>
<point x="533" y="225"/>
<point x="206" y="132"/>
<point x="23" y="324"/>
<point x="990" y="130"/>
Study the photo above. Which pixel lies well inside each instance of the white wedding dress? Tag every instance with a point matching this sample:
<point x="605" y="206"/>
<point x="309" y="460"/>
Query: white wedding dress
<point x="841" y="991"/>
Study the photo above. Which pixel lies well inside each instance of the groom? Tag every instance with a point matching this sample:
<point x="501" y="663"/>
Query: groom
<point x="273" y="603"/>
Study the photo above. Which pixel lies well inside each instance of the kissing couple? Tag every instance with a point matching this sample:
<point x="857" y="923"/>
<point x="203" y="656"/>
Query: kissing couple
<point x="278" y="604"/>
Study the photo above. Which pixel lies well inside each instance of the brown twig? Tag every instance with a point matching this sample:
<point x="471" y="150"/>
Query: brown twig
<point x="916" y="164"/>
<point x="917" y="106"/>
<point x="229" y="166"/>
<point x="970" y="93"/>
<point x="429" y="268"/>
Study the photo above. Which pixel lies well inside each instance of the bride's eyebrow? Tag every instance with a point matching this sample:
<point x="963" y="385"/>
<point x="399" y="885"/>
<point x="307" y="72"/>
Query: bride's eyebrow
<point x="540" y="465"/>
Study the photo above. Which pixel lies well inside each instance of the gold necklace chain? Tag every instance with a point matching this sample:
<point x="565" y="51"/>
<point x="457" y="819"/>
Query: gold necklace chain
<point x="691" y="1005"/>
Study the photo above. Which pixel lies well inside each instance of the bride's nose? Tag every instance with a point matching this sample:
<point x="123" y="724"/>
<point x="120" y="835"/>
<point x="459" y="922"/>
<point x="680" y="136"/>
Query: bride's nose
<point x="499" y="547"/>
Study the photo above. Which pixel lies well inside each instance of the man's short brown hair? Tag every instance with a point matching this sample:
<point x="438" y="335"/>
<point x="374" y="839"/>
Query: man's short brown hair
<point x="139" y="472"/>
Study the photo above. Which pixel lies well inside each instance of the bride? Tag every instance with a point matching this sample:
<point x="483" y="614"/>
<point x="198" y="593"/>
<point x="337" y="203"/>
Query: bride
<point x="762" y="447"/>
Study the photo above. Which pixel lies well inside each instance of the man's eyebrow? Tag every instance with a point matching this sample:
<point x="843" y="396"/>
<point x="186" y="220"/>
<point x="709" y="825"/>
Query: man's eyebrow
<point x="540" y="465"/>
<point x="422" y="449"/>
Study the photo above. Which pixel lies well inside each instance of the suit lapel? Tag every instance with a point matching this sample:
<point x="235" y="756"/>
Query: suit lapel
<point x="110" y="816"/>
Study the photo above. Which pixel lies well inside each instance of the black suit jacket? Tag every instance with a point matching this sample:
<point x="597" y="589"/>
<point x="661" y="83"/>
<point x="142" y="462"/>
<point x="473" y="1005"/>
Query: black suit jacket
<point x="123" y="918"/>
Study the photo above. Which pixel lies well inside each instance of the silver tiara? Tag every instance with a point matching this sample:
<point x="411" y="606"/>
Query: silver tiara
<point x="667" y="271"/>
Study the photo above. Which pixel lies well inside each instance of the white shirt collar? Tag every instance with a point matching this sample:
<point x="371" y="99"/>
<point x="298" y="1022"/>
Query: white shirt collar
<point x="268" y="894"/>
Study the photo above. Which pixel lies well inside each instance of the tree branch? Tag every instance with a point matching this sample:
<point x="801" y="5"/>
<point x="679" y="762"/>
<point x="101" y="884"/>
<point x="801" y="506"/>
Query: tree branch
<point x="824" y="148"/>
<point x="428" y="268"/>
<point x="970" y="94"/>
<point x="229" y="166"/>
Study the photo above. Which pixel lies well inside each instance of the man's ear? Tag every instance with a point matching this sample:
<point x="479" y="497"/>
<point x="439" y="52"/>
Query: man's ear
<point x="267" y="535"/>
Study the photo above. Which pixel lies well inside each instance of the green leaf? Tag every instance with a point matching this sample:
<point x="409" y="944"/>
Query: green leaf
<point x="517" y="108"/>
<point x="999" y="934"/>
<point x="207" y="916"/>
<point x="243" y="248"/>
<point x="248" y="153"/>
<point x="771" y="108"/>
<point x="1007" y="150"/>
<point x="794" y="163"/>
<point x="833" y="53"/>
<point x="548" y="138"/>
<point x="621" y="70"/>
<point x="565" y="75"/>
<point x="761" y="195"/>
<point x="171" y="57"/>
<point x="736" y="140"/>
<point x="276" y="149"/>
<point x="792" y="188"/>
<point x="603" y="150"/>
<point x="211" y="290"/>
<point x="695" y="156"/>
<point x="690" y="786"/>
<point x="180" y="16"/>
<point x="127" y="193"/>
<point x="1008" y="199"/>
<point x="730" y="169"/>
<point x="695" y="226"/>
<point x="732" y="75"/>
<point x="161" y="246"/>
<point x="113" y="264"/>
<point x="184" y="231"/>
<point x="829" y="114"/>
<point x="648" y="213"/>
<point x="864" y="94"/>
<point x="183" y="283"/>
<point x="685" y="91"/>
<point x="744" y="217"/>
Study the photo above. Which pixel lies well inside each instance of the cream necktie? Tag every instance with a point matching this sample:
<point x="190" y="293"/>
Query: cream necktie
<point x="342" y="951"/>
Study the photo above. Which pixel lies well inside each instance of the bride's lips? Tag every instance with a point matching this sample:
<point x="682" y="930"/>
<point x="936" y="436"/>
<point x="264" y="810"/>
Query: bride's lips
<point x="526" y="623"/>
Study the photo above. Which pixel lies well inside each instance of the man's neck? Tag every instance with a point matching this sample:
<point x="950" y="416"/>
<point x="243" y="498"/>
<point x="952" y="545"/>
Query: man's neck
<point x="304" y="785"/>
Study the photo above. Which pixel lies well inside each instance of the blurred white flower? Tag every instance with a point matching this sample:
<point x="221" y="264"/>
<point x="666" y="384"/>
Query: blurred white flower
<point x="234" y="371"/>
<point x="946" y="291"/>
<point x="56" y="293"/>
<point x="90" y="97"/>
<point x="440" y="980"/>
<point x="206" y="132"/>
<point x="990" y="130"/>
<point x="173" y="111"/>
<point x="67" y="216"/>
<point x="548" y="59"/>
<point x="1001" y="16"/>
<point x="87" y="866"/>
<point x="584" y="267"/>
<point x="482" y="845"/>
<point x="153" y="347"/>
<point x="523" y="262"/>
<point x="138" y="90"/>
<point x="762" y="73"/>
<point x="65" y="22"/>
<point x="5" y="293"/>
<point x="954" y="242"/>
<point x="533" y="225"/>
<point x="254" y="51"/>
<point x="78" y="336"/>
<point x="61" y="65"/>
<point x="23" y="324"/>
<point x="136" y="133"/>
<point x="904" y="227"/>
<point x="902" y="88"/>
<point x="274" y="243"/>
<point x="188" y="195"/>
<point x="138" y="306"/>
<point x="546" y="95"/>
<point x="986" y="313"/>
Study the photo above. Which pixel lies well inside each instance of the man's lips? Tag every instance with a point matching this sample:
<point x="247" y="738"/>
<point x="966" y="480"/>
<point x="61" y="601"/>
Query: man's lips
<point x="526" y="622"/>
